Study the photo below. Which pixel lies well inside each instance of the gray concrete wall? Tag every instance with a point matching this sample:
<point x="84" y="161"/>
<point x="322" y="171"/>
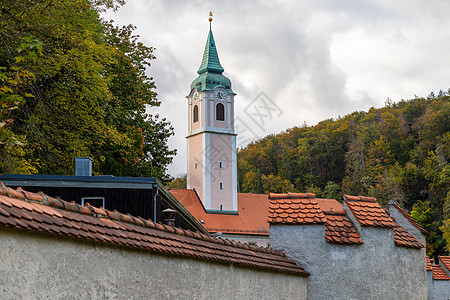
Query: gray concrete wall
<point x="376" y="270"/>
<point x="35" y="266"/>
<point x="438" y="289"/>
<point x="405" y="223"/>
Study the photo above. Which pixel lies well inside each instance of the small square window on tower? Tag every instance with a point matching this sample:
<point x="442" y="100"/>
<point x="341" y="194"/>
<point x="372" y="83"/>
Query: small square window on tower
<point x="221" y="207"/>
<point x="221" y="164"/>
<point x="221" y="186"/>
<point x="195" y="165"/>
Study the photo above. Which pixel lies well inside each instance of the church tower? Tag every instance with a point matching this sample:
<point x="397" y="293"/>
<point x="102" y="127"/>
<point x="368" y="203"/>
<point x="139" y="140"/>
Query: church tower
<point x="211" y="139"/>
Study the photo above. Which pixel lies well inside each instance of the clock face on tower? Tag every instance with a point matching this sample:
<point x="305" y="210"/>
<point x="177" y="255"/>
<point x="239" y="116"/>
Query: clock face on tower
<point x="196" y="97"/>
<point x="220" y="95"/>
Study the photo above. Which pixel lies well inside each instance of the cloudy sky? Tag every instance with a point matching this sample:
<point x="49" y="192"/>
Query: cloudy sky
<point x="312" y="60"/>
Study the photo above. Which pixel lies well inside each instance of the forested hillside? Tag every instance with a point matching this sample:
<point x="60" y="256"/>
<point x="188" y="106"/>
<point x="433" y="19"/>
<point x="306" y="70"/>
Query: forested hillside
<point x="73" y="84"/>
<point x="400" y="152"/>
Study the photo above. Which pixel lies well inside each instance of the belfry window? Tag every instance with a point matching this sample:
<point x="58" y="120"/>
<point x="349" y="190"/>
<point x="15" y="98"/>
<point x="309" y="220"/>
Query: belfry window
<point x="195" y="113"/>
<point x="220" y="112"/>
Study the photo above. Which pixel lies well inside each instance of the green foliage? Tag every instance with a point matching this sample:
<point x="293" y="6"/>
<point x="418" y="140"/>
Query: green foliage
<point x="275" y="184"/>
<point x="178" y="183"/>
<point x="422" y="213"/>
<point x="399" y="152"/>
<point x="91" y="92"/>
<point x="446" y="227"/>
<point x="12" y="96"/>
<point x="332" y="191"/>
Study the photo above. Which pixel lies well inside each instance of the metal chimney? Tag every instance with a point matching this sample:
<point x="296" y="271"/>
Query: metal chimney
<point x="169" y="216"/>
<point x="83" y="166"/>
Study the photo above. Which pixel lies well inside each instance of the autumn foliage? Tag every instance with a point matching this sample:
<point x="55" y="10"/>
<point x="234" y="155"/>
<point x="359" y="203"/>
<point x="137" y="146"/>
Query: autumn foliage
<point x="399" y="152"/>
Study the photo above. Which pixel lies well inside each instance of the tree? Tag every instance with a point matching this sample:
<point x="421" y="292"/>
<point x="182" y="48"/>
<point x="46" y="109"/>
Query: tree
<point x="275" y="184"/>
<point x="12" y="96"/>
<point x="400" y="151"/>
<point x="90" y="91"/>
<point x="332" y="191"/>
<point x="178" y="183"/>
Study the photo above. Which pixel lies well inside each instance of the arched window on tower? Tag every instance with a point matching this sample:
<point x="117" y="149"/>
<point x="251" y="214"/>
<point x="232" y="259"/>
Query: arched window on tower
<point x="220" y="112"/>
<point x="195" y="113"/>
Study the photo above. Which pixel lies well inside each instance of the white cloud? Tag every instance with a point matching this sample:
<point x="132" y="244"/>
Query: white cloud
<point x="315" y="59"/>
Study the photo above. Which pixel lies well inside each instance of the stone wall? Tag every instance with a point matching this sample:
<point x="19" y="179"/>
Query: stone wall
<point x="38" y="266"/>
<point x="438" y="289"/>
<point x="375" y="270"/>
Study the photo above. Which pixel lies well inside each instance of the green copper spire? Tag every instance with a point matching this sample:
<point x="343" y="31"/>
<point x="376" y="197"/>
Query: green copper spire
<point x="210" y="71"/>
<point x="210" y="61"/>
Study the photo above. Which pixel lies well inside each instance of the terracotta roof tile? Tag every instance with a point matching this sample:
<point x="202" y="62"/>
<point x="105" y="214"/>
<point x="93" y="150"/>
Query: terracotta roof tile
<point x="359" y="198"/>
<point x="57" y="217"/>
<point x="446" y="261"/>
<point x="429" y="263"/>
<point x="368" y="212"/>
<point x="403" y="212"/>
<point x="404" y="239"/>
<point x="251" y="217"/>
<point x="292" y="196"/>
<point x="439" y="273"/>
<point x="300" y="211"/>
<point x="339" y="229"/>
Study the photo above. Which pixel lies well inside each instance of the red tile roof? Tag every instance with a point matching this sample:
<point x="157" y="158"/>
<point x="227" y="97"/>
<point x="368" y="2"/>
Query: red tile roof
<point x="429" y="263"/>
<point x="292" y="196"/>
<point x="404" y="239"/>
<point x="294" y="211"/>
<point x="251" y="218"/>
<point x="41" y="213"/>
<point x="439" y="273"/>
<point x="289" y="209"/>
<point x="446" y="261"/>
<point x="410" y="218"/>
<point x="339" y="229"/>
<point x="368" y="212"/>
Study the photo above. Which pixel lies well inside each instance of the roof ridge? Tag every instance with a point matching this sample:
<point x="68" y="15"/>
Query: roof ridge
<point x="57" y="202"/>
<point x="290" y="195"/>
<point x="359" y="198"/>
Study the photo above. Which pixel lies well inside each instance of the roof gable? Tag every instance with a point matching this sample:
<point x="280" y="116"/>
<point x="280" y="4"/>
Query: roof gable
<point x="368" y="212"/>
<point x="445" y="261"/>
<point x="439" y="273"/>
<point x="406" y="215"/>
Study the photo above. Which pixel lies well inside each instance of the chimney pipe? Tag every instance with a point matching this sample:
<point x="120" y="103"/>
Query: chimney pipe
<point x="169" y="216"/>
<point x="83" y="166"/>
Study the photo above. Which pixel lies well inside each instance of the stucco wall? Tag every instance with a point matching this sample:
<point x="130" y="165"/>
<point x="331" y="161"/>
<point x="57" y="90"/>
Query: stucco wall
<point x="405" y="223"/>
<point x="376" y="270"/>
<point x="40" y="267"/>
<point x="438" y="289"/>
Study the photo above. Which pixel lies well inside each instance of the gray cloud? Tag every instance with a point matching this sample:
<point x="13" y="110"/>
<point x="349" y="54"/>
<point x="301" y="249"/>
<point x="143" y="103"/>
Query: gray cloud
<point x="314" y="59"/>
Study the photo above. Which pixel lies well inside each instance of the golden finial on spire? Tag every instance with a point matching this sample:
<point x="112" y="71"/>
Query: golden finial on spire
<point x="210" y="16"/>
